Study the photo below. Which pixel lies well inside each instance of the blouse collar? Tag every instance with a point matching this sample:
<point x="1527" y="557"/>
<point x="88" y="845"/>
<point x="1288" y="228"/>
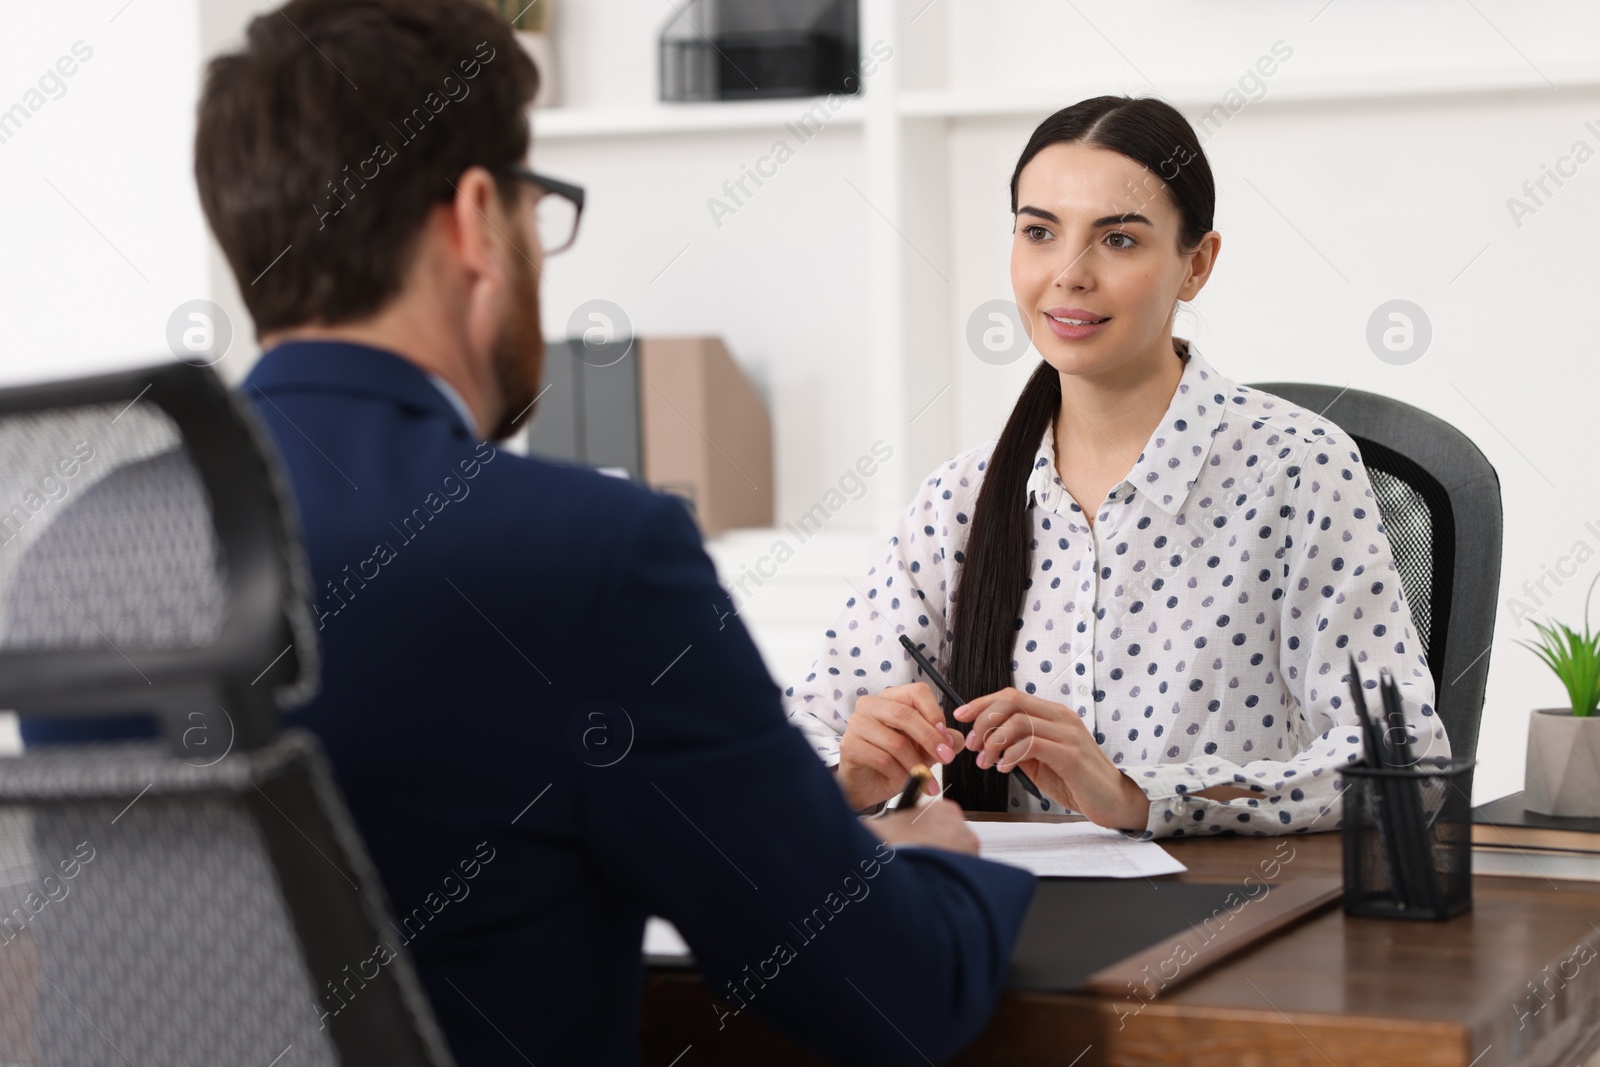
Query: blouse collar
<point x="1172" y="459"/>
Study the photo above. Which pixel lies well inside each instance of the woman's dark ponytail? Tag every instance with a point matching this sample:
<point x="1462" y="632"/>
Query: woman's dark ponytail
<point x="986" y="610"/>
<point x="996" y="565"/>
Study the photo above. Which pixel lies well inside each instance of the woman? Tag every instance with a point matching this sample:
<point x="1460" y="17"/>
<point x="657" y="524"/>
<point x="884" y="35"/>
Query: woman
<point x="1150" y="587"/>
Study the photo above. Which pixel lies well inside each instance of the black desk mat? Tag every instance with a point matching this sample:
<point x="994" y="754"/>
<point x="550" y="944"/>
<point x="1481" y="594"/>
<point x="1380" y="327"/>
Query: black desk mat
<point x="1077" y="926"/>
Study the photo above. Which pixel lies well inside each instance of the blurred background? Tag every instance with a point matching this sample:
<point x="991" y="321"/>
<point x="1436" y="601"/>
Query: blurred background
<point x="1440" y="153"/>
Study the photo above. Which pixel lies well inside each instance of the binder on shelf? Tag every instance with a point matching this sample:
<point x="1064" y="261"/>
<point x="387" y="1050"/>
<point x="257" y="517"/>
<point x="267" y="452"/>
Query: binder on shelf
<point x="675" y="413"/>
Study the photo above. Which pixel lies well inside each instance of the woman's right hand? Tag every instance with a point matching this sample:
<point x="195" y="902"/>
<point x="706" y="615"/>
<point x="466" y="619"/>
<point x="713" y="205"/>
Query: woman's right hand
<point x="887" y="735"/>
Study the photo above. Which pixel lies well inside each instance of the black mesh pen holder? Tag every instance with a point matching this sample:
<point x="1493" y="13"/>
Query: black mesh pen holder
<point x="1408" y="840"/>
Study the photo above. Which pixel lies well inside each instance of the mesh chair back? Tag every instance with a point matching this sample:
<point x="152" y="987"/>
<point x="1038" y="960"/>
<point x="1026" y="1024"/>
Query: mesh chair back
<point x="146" y="552"/>
<point x="155" y="910"/>
<point x="205" y="900"/>
<point x="1440" y="501"/>
<point x="162" y="589"/>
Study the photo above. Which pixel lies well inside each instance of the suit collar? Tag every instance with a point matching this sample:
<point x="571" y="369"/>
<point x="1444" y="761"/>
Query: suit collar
<point x="1173" y="457"/>
<point x="347" y="367"/>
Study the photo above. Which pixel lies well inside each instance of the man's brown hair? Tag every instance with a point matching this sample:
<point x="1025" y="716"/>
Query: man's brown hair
<point x="323" y="144"/>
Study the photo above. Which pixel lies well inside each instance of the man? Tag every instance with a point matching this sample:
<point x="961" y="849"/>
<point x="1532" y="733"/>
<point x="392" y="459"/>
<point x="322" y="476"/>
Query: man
<point x="529" y="668"/>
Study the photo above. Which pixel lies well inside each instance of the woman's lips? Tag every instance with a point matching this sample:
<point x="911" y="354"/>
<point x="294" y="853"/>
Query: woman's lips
<point x="1069" y="332"/>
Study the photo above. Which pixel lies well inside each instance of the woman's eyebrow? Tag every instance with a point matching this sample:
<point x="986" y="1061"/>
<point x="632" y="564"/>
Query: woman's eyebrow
<point x="1104" y="220"/>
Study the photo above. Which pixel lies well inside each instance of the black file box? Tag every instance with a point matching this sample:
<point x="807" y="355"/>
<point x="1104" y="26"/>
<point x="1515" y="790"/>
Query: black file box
<point x="756" y="49"/>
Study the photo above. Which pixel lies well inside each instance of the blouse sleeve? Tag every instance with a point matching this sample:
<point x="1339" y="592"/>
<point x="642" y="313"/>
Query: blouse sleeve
<point x="1341" y="597"/>
<point x="907" y="593"/>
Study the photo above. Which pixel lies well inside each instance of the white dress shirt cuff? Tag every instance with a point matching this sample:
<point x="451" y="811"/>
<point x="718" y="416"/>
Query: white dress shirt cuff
<point x="1168" y="786"/>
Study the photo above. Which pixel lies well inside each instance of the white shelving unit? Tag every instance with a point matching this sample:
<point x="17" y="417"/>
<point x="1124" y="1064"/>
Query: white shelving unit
<point x="576" y="123"/>
<point x="592" y="122"/>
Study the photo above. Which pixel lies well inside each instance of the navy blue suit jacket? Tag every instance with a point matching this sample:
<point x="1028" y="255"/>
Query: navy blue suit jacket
<point x="548" y="725"/>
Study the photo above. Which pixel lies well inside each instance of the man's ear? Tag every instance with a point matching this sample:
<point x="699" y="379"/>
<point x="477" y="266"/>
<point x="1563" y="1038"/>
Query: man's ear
<point x="480" y="240"/>
<point x="477" y="224"/>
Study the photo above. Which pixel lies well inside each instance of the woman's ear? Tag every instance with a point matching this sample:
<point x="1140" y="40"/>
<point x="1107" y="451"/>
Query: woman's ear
<point x="1201" y="262"/>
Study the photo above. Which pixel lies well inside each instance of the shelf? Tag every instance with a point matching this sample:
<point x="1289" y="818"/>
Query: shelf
<point x="1352" y="85"/>
<point x="660" y="118"/>
<point x="575" y="123"/>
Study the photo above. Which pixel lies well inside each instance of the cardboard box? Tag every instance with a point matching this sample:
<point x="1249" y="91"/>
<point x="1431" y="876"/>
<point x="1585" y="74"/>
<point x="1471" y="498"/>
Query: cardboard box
<point x="705" y="432"/>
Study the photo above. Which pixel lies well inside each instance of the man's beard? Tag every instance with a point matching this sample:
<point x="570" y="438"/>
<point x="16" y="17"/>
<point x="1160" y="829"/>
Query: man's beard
<point x="519" y="352"/>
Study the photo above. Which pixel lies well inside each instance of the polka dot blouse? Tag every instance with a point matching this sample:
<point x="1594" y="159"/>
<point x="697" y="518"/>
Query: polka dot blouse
<point x="1201" y="627"/>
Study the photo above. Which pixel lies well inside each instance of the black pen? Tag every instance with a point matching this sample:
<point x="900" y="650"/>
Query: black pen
<point x="916" y="782"/>
<point x="956" y="701"/>
<point x="1394" y="713"/>
<point x="1414" y="834"/>
<point x="1382" y="796"/>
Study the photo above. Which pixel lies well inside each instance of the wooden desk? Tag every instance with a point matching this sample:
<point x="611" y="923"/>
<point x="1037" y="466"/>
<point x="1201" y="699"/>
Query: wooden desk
<point x="1506" y="984"/>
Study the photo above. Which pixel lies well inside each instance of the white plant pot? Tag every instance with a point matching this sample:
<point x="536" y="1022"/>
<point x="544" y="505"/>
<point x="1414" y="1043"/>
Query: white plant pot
<point x="543" y="50"/>
<point x="1563" y="770"/>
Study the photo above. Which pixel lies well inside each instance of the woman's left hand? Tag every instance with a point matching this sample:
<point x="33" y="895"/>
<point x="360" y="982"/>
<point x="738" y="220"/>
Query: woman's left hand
<point x="1055" y="749"/>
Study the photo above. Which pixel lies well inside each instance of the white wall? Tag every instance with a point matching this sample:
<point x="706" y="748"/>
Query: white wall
<point x="1376" y="165"/>
<point x="781" y="280"/>
<point x="102" y="235"/>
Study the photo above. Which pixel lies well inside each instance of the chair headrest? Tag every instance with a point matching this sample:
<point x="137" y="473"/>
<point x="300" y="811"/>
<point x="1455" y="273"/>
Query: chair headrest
<point x="149" y="555"/>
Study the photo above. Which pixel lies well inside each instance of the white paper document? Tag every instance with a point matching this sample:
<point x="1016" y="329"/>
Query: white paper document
<point x="1072" y="850"/>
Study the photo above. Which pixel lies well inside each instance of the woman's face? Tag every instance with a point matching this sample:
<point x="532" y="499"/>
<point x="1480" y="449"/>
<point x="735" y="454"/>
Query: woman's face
<point x="1096" y="238"/>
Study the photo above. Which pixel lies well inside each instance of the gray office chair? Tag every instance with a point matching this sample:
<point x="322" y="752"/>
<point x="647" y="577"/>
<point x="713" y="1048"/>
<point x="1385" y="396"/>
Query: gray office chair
<point x="205" y="899"/>
<point x="1440" y="501"/>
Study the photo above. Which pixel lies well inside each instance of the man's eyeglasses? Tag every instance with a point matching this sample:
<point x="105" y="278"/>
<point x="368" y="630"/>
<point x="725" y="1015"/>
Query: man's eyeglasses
<point x="559" y="206"/>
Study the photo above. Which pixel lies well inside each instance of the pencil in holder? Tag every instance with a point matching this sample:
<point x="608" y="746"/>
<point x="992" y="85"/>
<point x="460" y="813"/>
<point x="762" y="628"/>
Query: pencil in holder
<point x="1407" y="839"/>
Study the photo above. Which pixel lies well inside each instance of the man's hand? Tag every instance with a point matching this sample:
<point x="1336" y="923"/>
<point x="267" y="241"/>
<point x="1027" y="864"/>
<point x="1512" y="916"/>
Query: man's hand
<point x="1055" y="749"/>
<point x="938" y="824"/>
<point x="887" y="735"/>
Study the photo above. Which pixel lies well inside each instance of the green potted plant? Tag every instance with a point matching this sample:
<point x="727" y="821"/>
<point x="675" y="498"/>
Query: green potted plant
<point x="531" y="21"/>
<point x="1563" y="769"/>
